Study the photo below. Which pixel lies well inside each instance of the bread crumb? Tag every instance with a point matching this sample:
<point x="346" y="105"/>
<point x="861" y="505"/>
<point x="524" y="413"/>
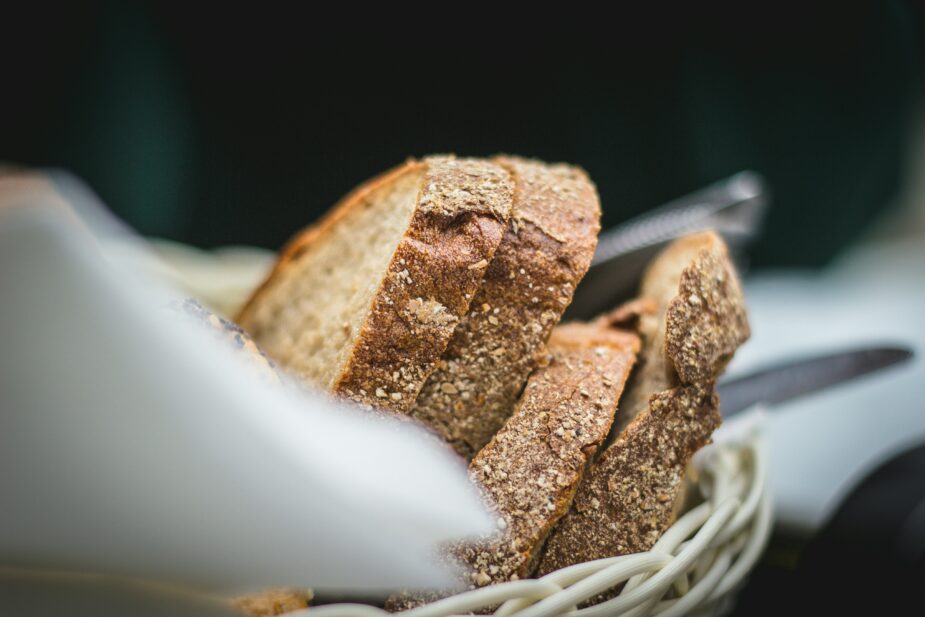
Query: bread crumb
<point x="429" y="312"/>
<point x="479" y="264"/>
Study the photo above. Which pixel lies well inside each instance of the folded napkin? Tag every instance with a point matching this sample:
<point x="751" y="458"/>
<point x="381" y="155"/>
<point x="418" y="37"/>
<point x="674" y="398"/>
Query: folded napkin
<point x="132" y="442"/>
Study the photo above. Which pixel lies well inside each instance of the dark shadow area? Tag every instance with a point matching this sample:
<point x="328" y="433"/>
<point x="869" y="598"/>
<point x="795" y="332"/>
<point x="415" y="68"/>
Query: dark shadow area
<point x="243" y="126"/>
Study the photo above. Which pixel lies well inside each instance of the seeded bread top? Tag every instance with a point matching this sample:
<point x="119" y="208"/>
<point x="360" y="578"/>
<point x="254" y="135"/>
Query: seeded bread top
<point x="691" y="318"/>
<point x="363" y="303"/>
<point x="546" y="250"/>
<point x="531" y="468"/>
<point x="529" y="471"/>
<point x="627" y="499"/>
<point x="706" y="320"/>
<point x="434" y="274"/>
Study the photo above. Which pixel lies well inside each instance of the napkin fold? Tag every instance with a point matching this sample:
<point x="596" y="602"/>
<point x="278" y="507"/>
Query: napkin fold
<point x="131" y="442"/>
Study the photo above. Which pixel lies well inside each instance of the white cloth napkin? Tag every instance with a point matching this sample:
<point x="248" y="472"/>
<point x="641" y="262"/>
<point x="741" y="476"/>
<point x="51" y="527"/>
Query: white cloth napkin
<point x="133" y="443"/>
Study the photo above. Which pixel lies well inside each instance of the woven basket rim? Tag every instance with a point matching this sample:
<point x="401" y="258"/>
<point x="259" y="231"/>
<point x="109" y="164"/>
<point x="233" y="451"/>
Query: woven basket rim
<point x="697" y="564"/>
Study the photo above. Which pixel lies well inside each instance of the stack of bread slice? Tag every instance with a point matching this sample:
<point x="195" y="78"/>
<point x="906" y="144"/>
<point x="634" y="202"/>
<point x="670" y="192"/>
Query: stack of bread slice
<point x="435" y="291"/>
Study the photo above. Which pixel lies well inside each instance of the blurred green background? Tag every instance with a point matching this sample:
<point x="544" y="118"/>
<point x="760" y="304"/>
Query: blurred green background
<point x="241" y="126"/>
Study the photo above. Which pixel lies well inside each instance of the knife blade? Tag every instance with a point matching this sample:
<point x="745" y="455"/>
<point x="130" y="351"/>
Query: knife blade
<point x="734" y="208"/>
<point x="789" y="380"/>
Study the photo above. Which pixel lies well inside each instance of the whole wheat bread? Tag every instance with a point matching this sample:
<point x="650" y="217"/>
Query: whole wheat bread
<point x="363" y="303"/>
<point x="530" y="470"/>
<point x="627" y="499"/>
<point x="546" y="250"/>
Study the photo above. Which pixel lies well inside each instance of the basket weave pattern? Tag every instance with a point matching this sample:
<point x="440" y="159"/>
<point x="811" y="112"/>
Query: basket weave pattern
<point x="692" y="570"/>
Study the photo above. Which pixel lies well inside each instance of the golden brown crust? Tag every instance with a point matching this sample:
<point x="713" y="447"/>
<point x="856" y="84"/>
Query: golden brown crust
<point x="626" y="501"/>
<point x="273" y="602"/>
<point x="461" y="214"/>
<point x="529" y="471"/>
<point x="546" y="250"/>
<point x="706" y="321"/>
<point x="628" y="497"/>
<point x="684" y="342"/>
<point x="434" y="273"/>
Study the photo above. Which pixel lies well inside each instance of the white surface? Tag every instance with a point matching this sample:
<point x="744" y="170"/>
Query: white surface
<point x="133" y="443"/>
<point x="820" y="446"/>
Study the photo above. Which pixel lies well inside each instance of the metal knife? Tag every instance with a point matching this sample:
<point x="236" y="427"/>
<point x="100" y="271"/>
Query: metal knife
<point x="783" y="382"/>
<point x="733" y="207"/>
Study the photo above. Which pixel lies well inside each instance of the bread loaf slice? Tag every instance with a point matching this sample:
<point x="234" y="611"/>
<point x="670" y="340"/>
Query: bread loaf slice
<point x="530" y="470"/>
<point x="363" y="303"/>
<point x="686" y="340"/>
<point x="627" y="499"/>
<point x="546" y="250"/>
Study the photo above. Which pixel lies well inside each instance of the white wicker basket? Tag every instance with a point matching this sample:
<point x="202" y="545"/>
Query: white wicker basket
<point x="692" y="570"/>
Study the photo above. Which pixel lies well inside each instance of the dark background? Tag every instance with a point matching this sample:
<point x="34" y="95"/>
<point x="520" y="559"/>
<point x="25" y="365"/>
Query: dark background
<point x="218" y="126"/>
<point x="239" y="126"/>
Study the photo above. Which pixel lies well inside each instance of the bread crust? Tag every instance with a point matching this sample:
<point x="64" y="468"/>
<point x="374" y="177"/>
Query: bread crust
<point x="684" y="342"/>
<point x="546" y="250"/>
<point x="627" y="499"/>
<point x="461" y="213"/>
<point x="706" y="322"/>
<point x="529" y="471"/>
